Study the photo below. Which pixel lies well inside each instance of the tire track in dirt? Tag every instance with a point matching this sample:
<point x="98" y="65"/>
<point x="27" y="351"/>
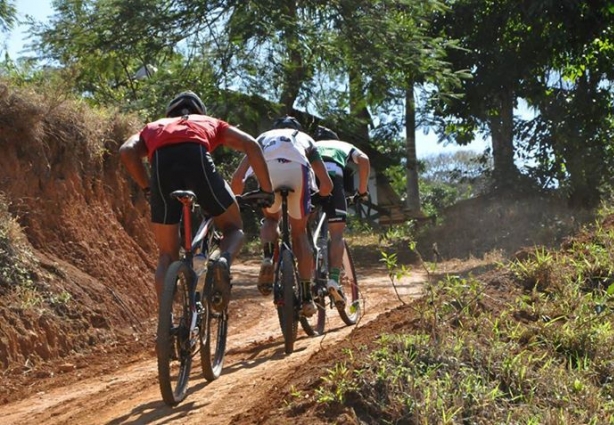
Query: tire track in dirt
<point x="255" y="362"/>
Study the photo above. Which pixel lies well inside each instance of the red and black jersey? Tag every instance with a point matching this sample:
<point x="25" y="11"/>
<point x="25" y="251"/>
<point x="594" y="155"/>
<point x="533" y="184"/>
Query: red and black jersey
<point x="191" y="128"/>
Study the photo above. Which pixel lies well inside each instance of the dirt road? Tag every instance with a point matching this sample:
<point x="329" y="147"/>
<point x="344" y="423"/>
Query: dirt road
<point x="255" y="361"/>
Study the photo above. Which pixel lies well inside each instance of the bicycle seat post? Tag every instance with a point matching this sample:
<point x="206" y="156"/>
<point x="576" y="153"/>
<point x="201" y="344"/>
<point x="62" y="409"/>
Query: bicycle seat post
<point x="187" y="199"/>
<point x="284" y="192"/>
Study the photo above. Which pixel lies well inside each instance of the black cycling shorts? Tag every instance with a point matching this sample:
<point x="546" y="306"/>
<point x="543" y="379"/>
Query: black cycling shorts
<point x="337" y="212"/>
<point x="186" y="166"/>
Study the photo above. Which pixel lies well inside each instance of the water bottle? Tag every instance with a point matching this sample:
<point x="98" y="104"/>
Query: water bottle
<point x="200" y="268"/>
<point x="200" y="264"/>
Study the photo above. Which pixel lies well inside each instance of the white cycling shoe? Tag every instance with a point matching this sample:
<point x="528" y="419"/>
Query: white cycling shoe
<point x="335" y="290"/>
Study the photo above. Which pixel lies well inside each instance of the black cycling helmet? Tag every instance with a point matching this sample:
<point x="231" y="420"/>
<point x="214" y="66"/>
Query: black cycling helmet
<point x="324" y="133"/>
<point x="184" y="103"/>
<point x="288" y="122"/>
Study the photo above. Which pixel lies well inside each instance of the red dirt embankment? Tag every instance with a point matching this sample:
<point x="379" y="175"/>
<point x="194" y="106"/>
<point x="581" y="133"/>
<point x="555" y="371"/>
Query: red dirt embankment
<point x="79" y="272"/>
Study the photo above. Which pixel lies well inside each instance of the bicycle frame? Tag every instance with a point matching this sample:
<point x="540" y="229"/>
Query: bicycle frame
<point x="199" y="242"/>
<point x="319" y="239"/>
<point x="321" y="231"/>
<point x="287" y="288"/>
<point x="190" y="245"/>
<point x="319" y="234"/>
<point x="185" y="322"/>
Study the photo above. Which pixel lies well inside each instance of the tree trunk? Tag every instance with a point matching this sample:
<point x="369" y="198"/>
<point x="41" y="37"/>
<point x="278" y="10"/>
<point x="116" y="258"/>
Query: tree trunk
<point x="294" y="68"/>
<point x="413" y="192"/>
<point x="505" y="172"/>
<point x="361" y="118"/>
<point x="583" y="156"/>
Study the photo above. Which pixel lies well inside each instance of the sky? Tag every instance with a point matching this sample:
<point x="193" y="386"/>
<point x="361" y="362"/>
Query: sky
<point x="41" y="10"/>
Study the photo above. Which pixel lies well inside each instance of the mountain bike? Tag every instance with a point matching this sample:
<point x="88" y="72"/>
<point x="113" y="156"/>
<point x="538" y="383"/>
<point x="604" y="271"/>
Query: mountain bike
<point x="187" y="324"/>
<point x="350" y="310"/>
<point x="287" y="293"/>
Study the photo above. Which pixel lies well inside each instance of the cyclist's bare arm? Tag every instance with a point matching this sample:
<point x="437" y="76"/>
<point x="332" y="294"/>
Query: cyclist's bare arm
<point x="132" y="152"/>
<point x="243" y="142"/>
<point x="364" y="169"/>
<point x="236" y="184"/>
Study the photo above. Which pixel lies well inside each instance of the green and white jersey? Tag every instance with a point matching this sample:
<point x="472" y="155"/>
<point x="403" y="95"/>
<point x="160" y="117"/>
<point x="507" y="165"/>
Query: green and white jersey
<point x="337" y="152"/>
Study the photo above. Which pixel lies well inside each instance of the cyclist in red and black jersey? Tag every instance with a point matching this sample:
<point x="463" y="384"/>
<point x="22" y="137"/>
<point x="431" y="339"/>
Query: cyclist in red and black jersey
<point x="179" y="151"/>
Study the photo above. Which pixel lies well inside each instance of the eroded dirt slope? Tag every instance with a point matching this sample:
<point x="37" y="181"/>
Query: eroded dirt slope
<point x="85" y="255"/>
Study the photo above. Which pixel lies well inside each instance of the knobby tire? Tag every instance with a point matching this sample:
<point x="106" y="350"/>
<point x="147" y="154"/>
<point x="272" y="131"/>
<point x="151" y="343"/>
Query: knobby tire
<point x="214" y="329"/>
<point x="349" y="284"/>
<point x="173" y="346"/>
<point x="287" y="308"/>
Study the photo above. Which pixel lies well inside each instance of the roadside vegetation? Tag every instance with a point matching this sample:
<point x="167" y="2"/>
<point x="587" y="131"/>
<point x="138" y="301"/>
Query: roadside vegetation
<point x="528" y="343"/>
<point x="16" y="257"/>
<point x="22" y="279"/>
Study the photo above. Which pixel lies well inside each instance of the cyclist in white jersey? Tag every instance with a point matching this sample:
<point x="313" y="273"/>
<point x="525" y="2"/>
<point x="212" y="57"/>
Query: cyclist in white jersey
<point x="292" y="159"/>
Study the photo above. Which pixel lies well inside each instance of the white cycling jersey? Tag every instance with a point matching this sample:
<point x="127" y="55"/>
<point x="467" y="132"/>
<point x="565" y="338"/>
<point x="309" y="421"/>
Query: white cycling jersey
<point x="286" y="144"/>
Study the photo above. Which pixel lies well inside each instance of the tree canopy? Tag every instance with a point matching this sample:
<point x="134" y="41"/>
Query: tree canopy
<point x="8" y="15"/>
<point x="375" y="70"/>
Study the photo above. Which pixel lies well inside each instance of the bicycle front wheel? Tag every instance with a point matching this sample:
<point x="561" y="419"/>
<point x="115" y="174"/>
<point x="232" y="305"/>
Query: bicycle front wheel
<point x="351" y="311"/>
<point x="213" y="332"/>
<point x="287" y="306"/>
<point x="173" y="340"/>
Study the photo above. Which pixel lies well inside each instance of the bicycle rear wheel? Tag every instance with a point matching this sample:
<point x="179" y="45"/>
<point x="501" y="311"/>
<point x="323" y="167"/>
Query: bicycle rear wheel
<point x="214" y="329"/>
<point x="349" y="284"/>
<point x="214" y="325"/>
<point x="287" y="306"/>
<point x="174" y="344"/>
